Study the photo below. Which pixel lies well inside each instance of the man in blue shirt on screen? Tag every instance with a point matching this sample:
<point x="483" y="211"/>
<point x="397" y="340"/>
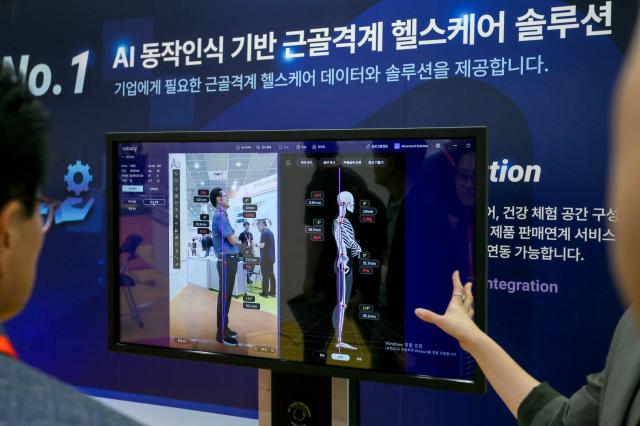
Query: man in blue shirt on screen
<point x="226" y="250"/>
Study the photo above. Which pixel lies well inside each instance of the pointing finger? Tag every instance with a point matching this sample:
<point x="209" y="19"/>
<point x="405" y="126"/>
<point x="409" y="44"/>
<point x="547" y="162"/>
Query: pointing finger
<point x="428" y="316"/>
<point x="457" y="284"/>
<point x="458" y="290"/>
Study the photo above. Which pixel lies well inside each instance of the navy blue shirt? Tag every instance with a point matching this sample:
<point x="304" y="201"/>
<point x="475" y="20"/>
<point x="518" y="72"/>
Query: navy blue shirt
<point x="220" y="230"/>
<point x="268" y="252"/>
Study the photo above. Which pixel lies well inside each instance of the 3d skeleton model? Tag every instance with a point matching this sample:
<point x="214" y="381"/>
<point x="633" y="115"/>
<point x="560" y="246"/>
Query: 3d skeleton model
<point x="348" y="249"/>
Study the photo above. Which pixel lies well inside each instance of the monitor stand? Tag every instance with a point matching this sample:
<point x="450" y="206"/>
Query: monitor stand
<point x="298" y="399"/>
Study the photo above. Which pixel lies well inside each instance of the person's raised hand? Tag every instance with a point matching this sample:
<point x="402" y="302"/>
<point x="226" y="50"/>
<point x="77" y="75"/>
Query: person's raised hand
<point x="457" y="321"/>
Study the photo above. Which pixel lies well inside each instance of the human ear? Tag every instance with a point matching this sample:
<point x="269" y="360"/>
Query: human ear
<point x="10" y="214"/>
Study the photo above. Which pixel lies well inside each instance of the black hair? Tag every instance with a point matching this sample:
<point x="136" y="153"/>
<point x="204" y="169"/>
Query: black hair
<point x="265" y="222"/>
<point x="23" y="142"/>
<point x="215" y="193"/>
<point x="245" y="223"/>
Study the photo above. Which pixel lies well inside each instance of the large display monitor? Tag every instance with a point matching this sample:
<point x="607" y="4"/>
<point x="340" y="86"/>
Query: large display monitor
<point x="298" y="251"/>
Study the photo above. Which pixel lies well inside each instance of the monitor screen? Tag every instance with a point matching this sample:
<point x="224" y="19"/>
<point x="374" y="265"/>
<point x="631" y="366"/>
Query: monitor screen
<point x="305" y="250"/>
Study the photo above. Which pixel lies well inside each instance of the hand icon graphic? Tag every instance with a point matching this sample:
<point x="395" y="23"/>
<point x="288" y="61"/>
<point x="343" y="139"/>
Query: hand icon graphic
<point x="68" y="212"/>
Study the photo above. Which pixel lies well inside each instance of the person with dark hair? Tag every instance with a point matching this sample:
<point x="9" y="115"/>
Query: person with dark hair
<point x="226" y="250"/>
<point x="267" y="246"/>
<point x="246" y="237"/>
<point x="28" y="396"/>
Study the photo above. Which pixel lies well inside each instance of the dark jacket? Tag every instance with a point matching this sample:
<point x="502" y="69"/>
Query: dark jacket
<point x="610" y="397"/>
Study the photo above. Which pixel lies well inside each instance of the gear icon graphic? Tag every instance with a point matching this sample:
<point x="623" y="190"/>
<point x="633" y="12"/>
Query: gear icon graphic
<point x="78" y="187"/>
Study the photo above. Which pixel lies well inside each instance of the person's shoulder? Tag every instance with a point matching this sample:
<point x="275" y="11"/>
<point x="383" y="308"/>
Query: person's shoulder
<point x="219" y="216"/>
<point x="624" y="349"/>
<point x="30" y="396"/>
<point x="626" y="331"/>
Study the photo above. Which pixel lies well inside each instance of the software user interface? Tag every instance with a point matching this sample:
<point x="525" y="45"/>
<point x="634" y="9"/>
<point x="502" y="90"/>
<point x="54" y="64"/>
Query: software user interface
<point x="308" y="251"/>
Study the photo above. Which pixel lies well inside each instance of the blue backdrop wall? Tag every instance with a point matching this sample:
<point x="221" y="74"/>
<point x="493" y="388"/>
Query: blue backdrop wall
<point x="539" y="74"/>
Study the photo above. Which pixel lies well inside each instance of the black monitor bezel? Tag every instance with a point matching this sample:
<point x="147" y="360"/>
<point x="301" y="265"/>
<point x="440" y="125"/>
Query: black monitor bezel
<point x="479" y="133"/>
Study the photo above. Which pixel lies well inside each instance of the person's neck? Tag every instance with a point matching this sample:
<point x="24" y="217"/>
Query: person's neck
<point x="223" y="208"/>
